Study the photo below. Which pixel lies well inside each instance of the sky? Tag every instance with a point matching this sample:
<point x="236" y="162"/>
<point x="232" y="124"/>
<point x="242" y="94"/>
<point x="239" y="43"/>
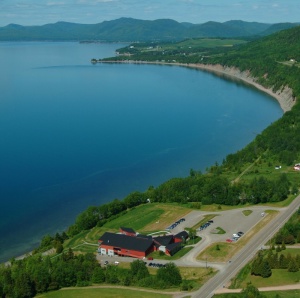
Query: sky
<point x="39" y="12"/>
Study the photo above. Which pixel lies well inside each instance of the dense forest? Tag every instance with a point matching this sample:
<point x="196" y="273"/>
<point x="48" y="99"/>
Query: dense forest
<point x="33" y="275"/>
<point x="279" y="144"/>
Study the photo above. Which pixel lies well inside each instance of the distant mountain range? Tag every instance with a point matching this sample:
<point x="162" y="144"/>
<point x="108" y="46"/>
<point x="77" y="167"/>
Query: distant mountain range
<point x="129" y="30"/>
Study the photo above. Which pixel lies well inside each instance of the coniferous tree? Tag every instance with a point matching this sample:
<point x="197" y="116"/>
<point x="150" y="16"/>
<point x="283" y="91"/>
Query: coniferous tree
<point x="297" y="260"/>
<point x="282" y="262"/>
<point x="293" y="266"/>
<point x="266" y="269"/>
<point x="257" y="265"/>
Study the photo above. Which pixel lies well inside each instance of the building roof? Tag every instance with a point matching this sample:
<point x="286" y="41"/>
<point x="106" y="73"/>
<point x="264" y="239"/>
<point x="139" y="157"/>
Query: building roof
<point x="128" y="230"/>
<point x="163" y="240"/>
<point x="173" y="246"/>
<point x="144" y="236"/>
<point x="125" y="242"/>
<point x="183" y="234"/>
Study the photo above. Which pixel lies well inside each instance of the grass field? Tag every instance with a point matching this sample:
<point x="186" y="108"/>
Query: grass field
<point x="279" y="277"/>
<point x="271" y="294"/>
<point x="101" y="292"/>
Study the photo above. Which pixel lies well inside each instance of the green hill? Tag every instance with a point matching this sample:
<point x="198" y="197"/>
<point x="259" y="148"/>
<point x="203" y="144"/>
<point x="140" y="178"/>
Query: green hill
<point x="128" y="30"/>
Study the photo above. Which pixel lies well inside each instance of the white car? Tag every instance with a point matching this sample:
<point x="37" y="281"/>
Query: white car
<point x="236" y="236"/>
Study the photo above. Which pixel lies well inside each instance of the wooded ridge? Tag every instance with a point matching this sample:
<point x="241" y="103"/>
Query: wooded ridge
<point x="128" y="30"/>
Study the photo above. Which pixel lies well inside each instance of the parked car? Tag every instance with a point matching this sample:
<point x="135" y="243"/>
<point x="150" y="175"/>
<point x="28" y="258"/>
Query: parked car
<point x="150" y="258"/>
<point x="106" y="263"/>
<point x="228" y="240"/>
<point x="240" y="233"/>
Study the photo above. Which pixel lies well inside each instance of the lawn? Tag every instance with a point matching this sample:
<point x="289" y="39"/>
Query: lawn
<point x="279" y="277"/>
<point x="218" y="252"/>
<point x="101" y="292"/>
<point x="271" y="294"/>
<point x="247" y="212"/>
<point x="206" y="218"/>
<point x="149" y="218"/>
<point x="218" y="230"/>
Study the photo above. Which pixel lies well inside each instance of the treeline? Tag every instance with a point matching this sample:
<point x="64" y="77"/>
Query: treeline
<point x="290" y="232"/>
<point x="196" y="189"/>
<point x="35" y="274"/>
<point x="263" y="265"/>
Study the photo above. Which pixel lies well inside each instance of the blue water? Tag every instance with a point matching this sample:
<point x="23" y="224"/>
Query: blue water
<point x="75" y="134"/>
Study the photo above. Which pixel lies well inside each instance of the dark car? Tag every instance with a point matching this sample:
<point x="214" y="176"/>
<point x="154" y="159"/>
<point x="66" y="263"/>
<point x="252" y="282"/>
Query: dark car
<point x="240" y="233"/>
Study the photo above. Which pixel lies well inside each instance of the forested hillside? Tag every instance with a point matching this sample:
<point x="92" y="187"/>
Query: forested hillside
<point x="128" y="30"/>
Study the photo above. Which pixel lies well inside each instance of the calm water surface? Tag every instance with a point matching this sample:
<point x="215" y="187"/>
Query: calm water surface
<point x="75" y="134"/>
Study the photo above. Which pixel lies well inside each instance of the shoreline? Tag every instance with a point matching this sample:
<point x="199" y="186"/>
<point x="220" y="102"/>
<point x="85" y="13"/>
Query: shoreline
<point x="284" y="96"/>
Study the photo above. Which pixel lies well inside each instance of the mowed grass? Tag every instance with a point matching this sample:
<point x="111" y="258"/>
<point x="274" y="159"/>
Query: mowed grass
<point x="149" y="218"/>
<point x="205" y="219"/>
<point x="279" y="277"/>
<point x="247" y="212"/>
<point x="269" y="294"/>
<point x="218" y="252"/>
<point x="90" y="292"/>
<point x="198" y="275"/>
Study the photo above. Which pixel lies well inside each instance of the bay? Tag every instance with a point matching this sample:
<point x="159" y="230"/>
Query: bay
<point x="75" y="134"/>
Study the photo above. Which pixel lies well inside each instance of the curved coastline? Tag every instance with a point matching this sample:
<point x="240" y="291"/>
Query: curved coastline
<point x="284" y="96"/>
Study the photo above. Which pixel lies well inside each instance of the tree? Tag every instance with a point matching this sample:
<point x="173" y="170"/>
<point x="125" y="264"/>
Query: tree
<point x="251" y="292"/>
<point x="98" y="275"/>
<point x="266" y="269"/>
<point x="59" y="248"/>
<point x="139" y="270"/>
<point x="111" y="274"/>
<point x="293" y="266"/>
<point x="257" y="265"/>
<point x="192" y="234"/>
<point x="169" y="274"/>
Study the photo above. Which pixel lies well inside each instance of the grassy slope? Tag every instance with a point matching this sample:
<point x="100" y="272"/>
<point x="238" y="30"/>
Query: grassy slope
<point x="101" y="292"/>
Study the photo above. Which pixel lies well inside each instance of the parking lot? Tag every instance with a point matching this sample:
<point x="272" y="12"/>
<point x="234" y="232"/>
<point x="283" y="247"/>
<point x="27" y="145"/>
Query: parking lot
<point x="231" y="221"/>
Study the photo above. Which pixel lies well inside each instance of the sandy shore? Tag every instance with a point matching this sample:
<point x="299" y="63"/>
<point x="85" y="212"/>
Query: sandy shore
<point x="284" y="96"/>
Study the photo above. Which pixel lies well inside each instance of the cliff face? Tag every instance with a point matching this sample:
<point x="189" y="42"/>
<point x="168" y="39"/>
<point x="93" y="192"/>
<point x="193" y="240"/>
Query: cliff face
<point x="284" y="96"/>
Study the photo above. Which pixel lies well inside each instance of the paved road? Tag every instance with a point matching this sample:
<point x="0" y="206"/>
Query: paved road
<point x="247" y="253"/>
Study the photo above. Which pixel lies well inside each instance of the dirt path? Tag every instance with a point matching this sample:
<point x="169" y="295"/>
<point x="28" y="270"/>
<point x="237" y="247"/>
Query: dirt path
<point x="245" y="171"/>
<point x="264" y="289"/>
